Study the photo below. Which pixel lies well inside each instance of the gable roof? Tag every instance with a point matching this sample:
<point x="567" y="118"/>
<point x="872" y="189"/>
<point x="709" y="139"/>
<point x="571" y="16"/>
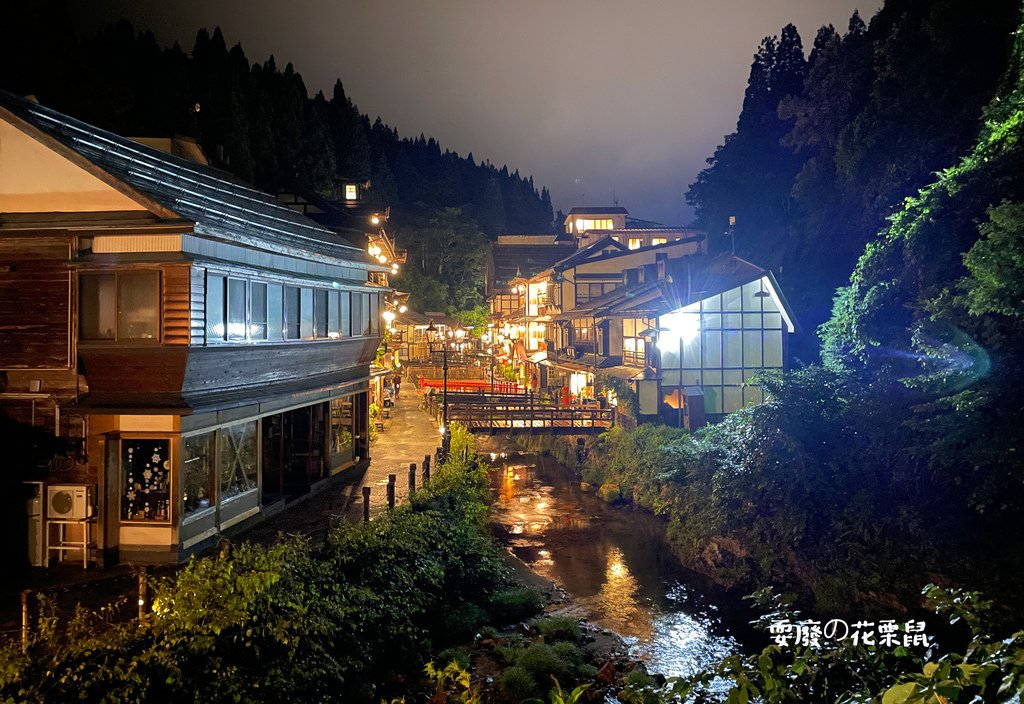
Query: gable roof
<point x="588" y="252"/>
<point x="220" y="205"/>
<point x="507" y="261"/>
<point x="598" y="210"/>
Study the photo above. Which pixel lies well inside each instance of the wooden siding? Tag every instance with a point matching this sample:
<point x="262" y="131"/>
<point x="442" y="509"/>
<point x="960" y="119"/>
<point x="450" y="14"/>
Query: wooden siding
<point x="35" y="303"/>
<point x="176" y="304"/>
<point x="197" y="306"/>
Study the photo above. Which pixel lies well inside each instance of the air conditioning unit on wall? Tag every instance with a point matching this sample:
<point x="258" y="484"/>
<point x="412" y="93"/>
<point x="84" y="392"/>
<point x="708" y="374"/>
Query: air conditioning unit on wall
<point x="69" y="501"/>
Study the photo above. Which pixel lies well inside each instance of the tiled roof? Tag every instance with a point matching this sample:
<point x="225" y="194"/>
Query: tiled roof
<point x="513" y="260"/>
<point x="595" y="210"/>
<point x="220" y="204"/>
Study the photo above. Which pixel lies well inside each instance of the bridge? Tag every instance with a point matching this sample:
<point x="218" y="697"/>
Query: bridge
<point x="483" y="412"/>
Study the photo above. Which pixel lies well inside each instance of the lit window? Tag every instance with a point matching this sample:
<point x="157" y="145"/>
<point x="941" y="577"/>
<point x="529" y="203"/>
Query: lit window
<point x="351" y="191"/>
<point x="658" y="240"/>
<point x="635" y="242"/>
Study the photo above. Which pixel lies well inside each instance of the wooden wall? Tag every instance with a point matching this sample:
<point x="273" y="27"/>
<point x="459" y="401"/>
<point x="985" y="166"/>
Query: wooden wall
<point x="35" y="303"/>
<point x="176" y="304"/>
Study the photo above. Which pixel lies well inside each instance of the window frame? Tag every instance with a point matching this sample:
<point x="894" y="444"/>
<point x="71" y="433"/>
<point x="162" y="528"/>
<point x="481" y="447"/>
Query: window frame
<point x="118" y="338"/>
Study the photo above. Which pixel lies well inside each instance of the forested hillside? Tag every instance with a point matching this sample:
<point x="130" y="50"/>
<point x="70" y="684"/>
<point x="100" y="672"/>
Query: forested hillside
<point x="259" y="121"/>
<point x="832" y="140"/>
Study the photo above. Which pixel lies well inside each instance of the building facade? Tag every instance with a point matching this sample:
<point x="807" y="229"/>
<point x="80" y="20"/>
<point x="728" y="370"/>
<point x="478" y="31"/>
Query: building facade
<point x="204" y="347"/>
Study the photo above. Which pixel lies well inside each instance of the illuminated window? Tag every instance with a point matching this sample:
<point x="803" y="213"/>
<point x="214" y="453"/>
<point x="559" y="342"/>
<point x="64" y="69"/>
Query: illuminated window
<point x="584" y="224"/>
<point x="351" y="191"/>
<point x="635" y="242"/>
<point x="633" y="349"/>
<point x="658" y="240"/>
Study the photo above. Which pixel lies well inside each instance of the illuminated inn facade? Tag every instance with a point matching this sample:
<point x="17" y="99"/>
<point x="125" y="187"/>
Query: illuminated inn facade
<point x="687" y="331"/>
<point x="206" y="347"/>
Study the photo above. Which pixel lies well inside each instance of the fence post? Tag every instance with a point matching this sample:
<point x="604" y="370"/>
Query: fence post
<point x="26" y="619"/>
<point x="392" y="478"/>
<point x="426" y="470"/>
<point x="366" y="504"/>
<point x="439" y="452"/>
<point x="143" y="577"/>
<point x="412" y="479"/>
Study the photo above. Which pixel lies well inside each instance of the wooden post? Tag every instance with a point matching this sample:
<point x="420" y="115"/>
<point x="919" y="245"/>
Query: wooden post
<point x="143" y="577"/>
<point x="366" y="504"/>
<point x="412" y="479"/>
<point x="426" y="470"/>
<point x="392" y="478"/>
<point x="225" y="548"/>
<point x="26" y="619"/>
<point x="440" y="454"/>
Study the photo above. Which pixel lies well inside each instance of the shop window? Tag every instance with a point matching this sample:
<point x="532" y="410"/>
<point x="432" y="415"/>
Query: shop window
<point x="198" y="467"/>
<point x="146" y="473"/>
<point x="342" y="429"/>
<point x="237" y="459"/>
<point x="121" y="306"/>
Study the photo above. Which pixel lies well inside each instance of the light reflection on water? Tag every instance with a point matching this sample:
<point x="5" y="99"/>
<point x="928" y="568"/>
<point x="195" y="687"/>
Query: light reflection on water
<point x="614" y="562"/>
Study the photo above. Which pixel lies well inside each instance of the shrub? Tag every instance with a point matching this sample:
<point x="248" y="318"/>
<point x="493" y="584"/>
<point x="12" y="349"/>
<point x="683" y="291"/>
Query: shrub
<point x="569" y="653"/>
<point x="515" y="604"/>
<point x="517" y="684"/>
<point x="541" y="661"/>
<point x="461" y="621"/>
<point x="556" y="628"/>
<point x="459" y="656"/>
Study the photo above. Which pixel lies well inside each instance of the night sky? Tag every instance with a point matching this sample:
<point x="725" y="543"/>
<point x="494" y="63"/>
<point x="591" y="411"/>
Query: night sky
<point x="593" y="98"/>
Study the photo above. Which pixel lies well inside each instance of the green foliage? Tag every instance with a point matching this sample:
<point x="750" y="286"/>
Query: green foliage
<point x="995" y="283"/>
<point x="558" y="628"/>
<point x="541" y="661"/>
<point x="517" y="684"/>
<point x="623" y="392"/>
<point x="289" y="622"/>
<point x="514" y="604"/>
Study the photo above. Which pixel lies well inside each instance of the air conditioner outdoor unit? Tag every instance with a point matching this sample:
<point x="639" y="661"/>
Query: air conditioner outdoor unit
<point x="69" y="501"/>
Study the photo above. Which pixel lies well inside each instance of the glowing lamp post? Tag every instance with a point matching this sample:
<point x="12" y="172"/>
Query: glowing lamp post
<point x="678" y="328"/>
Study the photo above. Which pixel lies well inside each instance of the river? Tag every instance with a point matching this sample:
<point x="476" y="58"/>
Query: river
<point x="616" y="565"/>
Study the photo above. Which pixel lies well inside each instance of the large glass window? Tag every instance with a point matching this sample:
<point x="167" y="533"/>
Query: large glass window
<point x="334" y="314"/>
<point x="146" y="485"/>
<point x="198" y="467"/>
<point x="633" y="348"/>
<point x="374" y="316"/>
<point x="215" y="322"/>
<point x="357" y="313"/>
<point x="237" y="459"/>
<point x="121" y="306"/>
<point x="346" y="314"/>
<point x="236" y="309"/>
<point x="365" y="303"/>
<point x="342" y="429"/>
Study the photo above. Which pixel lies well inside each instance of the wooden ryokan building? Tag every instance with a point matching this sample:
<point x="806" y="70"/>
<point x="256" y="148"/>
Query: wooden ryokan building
<point x="205" y="346"/>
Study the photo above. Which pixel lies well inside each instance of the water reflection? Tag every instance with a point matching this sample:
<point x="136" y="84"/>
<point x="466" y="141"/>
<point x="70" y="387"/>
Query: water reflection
<point x="614" y="562"/>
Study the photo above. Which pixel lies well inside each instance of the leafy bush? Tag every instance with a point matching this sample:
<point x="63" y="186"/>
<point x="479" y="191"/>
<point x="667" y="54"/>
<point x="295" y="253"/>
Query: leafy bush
<point x="558" y="628"/>
<point x="459" y="656"/>
<point x="517" y="684"/>
<point x="514" y="604"/>
<point x="541" y="661"/>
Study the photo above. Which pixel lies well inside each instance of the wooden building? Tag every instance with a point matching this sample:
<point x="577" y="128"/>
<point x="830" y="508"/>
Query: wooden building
<point x="205" y="346"/>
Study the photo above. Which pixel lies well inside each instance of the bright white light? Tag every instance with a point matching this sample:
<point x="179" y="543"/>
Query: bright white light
<point x="402" y="309"/>
<point x="375" y="220"/>
<point x="441" y="430"/>
<point x="681" y="325"/>
<point x="382" y="259"/>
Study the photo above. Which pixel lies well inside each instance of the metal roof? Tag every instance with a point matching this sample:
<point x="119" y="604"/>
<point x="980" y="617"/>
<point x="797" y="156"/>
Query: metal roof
<point x="220" y="204"/>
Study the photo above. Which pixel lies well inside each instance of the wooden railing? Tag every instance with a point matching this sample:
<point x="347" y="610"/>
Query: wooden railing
<point x="471" y="385"/>
<point x="481" y="412"/>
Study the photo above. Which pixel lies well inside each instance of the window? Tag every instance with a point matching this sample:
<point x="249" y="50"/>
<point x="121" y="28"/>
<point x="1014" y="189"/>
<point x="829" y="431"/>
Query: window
<point x="320" y="313"/>
<point x="237" y="459"/>
<point x="635" y="242"/>
<point x="366" y="313"/>
<point x="633" y="349"/>
<point x="198" y="466"/>
<point x="374" y="316"/>
<point x="292" y="322"/>
<point x="258" y="311"/>
<point x="275" y="312"/>
<point x="581" y="331"/>
<point x="351" y="191"/>
<point x="121" y="306"/>
<point x="306" y="314"/>
<point x="346" y="314"/>
<point x="659" y="240"/>
<point x="584" y="224"/>
<point x="236" y="309"/>
<point x="146" y="473"/>
<point x="215" y="327"/>
<point x="334" y="314"/>
<point x="98" y="307"/>
<point x="342" y="429"/>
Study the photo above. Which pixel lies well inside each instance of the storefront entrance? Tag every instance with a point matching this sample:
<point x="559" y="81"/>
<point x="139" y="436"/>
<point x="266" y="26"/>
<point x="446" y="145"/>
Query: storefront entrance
<point x="294" y="452"/>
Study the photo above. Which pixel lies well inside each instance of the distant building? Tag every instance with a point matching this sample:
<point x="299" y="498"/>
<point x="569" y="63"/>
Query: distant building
<point x="205" y="346"/>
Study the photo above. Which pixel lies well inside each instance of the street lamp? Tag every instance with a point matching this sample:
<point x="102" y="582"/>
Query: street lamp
<point x="432" y="336"/>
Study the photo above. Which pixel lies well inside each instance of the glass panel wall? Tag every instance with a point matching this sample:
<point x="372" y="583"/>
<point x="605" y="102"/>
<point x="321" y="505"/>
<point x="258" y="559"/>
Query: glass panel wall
<point x="342" y="430"/>
<point x="198" y="466"/>
<point x="237" y="459"/>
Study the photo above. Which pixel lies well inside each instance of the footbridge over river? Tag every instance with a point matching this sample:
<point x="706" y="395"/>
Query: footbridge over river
<point x="520" y="413"/>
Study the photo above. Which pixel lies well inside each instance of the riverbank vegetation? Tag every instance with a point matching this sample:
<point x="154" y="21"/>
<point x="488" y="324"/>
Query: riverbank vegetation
<point x="294" y="622"/>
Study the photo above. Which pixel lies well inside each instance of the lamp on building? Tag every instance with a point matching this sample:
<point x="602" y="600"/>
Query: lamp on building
<point x="434" y="336"/>
<point x="677" y="329"/>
